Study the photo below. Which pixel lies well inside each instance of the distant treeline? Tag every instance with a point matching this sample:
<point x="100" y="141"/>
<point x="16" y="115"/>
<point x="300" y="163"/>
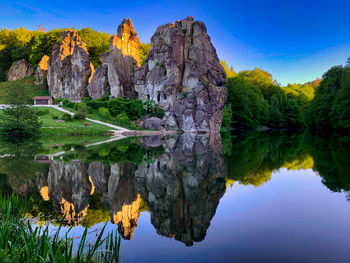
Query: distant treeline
<point x="32" y="45"/>
<point x="256" y="100"/>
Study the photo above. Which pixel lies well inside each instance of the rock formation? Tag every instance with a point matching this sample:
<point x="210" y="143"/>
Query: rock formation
<point x="183" y="75"/>
<point x="41" y="70"/>
<point x="182" y="188"/>
<point x="19" y="70"/>
<point x="69" y="68"/>
<point x="115" y="74"/>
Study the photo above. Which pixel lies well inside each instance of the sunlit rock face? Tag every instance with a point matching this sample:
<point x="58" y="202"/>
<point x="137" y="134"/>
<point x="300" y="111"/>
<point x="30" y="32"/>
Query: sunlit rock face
<point x="69" y="189"/>
<point x="183" y="75"/>
<point x="69" y="68"/>
<point x="182" y="188"/>
<point x="115" y="74"/>
<point x="41" y="70"/>
<point x="19" y="70"/>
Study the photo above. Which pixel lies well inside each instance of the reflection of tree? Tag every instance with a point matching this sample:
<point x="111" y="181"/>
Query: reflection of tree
<point x="18" y="164"/>
<point x="331" y="155"/>
<point x="254" y="156"/>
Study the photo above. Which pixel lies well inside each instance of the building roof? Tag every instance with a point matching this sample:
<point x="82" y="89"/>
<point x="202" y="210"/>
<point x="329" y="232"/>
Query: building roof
<point x="42" y="98"/>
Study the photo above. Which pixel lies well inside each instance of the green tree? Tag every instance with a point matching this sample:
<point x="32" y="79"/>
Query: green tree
<point x="19" y="120"/>
<point x="143" y="51"/>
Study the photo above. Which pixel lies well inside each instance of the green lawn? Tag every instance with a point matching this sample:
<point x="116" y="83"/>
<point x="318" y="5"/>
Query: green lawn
<point x="74" y="127"/>
<point x="56" y="128"/>
<point x="28" y="86"/>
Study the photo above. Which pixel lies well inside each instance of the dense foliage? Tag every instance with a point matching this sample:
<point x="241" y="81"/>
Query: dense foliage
<point x="256" y="100"/>
<point x="330" y="108"/>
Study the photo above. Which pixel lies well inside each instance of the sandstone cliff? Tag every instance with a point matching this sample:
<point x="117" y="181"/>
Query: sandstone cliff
<point x="69" y="68"/>
<point x="19" y="70"/>
<point x="115" y="74"/>
<point x="41" y="70"/>
<point x="184" y="76"/>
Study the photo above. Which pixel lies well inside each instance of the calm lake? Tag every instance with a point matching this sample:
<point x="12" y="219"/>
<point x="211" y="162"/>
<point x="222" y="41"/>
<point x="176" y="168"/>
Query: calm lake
<point x="241" y="197"/>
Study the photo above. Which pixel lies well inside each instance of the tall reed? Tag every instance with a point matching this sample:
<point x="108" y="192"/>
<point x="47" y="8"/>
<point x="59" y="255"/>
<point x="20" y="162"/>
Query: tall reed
<point x="20" y="242"/>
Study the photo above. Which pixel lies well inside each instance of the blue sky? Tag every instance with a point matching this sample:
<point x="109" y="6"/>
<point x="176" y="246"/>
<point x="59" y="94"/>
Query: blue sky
<point x="295" y="40"/>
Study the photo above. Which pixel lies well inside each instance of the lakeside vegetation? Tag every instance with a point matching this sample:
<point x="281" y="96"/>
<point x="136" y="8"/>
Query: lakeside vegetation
<point x="21" y="242"/>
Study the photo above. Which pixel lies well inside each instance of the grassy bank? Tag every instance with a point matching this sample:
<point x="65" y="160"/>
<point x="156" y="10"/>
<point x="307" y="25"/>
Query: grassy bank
<point x="54" y="126"/>
<point x="28" y="87"/>
<point x="20" y="242"/>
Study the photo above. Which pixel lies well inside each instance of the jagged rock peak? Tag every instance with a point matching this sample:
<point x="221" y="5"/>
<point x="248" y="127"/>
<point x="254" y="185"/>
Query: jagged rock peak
<point x="116" y="73"/>
<point x="69" y="68"/>
<point x="126" y="40"/>
<point x="70" y="39"/>
<point x="19" y="70"/>
<point x="183" y="75"/>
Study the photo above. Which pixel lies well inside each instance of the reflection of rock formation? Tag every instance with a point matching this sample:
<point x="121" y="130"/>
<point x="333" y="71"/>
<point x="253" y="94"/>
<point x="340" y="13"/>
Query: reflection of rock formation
<point x="183" y="187"/>
<point x="115" y="183"/>
<point x="69" y="189"/>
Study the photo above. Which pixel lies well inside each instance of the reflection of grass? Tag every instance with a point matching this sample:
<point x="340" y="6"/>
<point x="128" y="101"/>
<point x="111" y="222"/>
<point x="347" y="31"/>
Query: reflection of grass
<point x="19" y="242"/>
<point x="27" y="84"/>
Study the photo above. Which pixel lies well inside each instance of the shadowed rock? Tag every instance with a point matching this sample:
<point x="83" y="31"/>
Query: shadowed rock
<point x="19" y="70"/>
<point x="183" y="75"/>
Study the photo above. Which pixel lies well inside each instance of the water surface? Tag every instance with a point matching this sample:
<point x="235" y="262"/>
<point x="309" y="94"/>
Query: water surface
<point x="252" y="197"/>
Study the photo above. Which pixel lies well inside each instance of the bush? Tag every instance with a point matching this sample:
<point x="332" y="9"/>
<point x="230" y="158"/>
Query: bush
<point x="57" y="101"/>
<point x="42" y="112"/>
<point x="104" y="113"/>
<point x="66" y="117"/>
<point x="82" y="112"/>
<point x="98" y="103"/>
<point x="132" y="108"/>
<point x="123" y="119"/>
<point x="149" y="105"/>
<point x="86" y="100"/>
<point x="76" y="106"/>
<point x="54" y="117"/>
<point x="159" y="112"/>
<point x="68" y="103"/>
<point x="89" y="109"/>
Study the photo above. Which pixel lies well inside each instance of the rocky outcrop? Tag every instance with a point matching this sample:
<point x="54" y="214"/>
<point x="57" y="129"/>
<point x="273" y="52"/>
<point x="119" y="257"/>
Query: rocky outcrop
<point x="19" y="70"/>
<point x="183" y="75"/>
<point x="115" y="74"/>
<point x="41" y="70"/>
<point x="153" y="123"/>
<point x="69" y="68"/>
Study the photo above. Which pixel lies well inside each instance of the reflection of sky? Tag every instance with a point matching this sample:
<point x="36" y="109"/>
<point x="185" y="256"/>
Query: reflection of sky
<point x="291" y="218"/>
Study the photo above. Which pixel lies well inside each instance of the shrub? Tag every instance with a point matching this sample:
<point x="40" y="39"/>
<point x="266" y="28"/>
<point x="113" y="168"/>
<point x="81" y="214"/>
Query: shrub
<point x="68" y="103"/>
<point x="82" y="112"/>
<point x="89" y="109"/>
<point x="149" y="105"/>
<point x="57" y="101"/>
<point x="104" y="113"/>
<point x="133" y="108"/>
<point x="42" y="112"/>
<point x="76" y="106"/>
<point x="86" y="100"/>
<point x="54" y="117"/>
<point x="123" y="118"/>
<point x="159" y="112"/>
<point x="66" y="117"/>
<point x="98" y="103"/>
